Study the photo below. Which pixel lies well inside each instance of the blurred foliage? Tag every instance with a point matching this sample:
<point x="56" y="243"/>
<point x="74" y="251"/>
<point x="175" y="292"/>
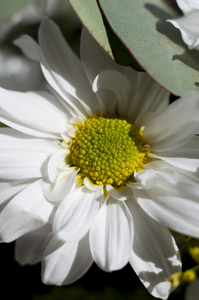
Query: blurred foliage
<point x="9" y="7"/>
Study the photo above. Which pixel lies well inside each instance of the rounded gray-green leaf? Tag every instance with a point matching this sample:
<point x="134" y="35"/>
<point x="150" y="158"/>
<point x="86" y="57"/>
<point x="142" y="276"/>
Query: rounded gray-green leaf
<point x="93" y="19"/>
<point x="90" y="15"/>
<point x="157" y="46"/>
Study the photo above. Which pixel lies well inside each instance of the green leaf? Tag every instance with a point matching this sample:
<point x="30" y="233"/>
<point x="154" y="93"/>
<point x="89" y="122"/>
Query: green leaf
<point x="90" y="15"/>
<point x="92" y="18"/>
<point x="9" y="7"/>
<point x="155" y="44"/>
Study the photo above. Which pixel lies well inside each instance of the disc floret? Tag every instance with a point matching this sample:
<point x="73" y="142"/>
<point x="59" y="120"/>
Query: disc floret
<point x="107" y="151"/>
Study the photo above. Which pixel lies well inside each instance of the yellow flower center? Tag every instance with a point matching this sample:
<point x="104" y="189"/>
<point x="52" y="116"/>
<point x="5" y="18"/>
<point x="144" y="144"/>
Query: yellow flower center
<point x="107" y="151"/>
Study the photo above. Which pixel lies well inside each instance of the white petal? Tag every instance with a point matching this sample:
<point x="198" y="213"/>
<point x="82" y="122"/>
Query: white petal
<point x="144" y="179"/>
<point x="155" y="256"/>
<point x="55" y="162"/>
<point x="185" y="157"/>
<point x="63" y="70"/>
<point x="27" y="211"/>
<point x="28" y="46"/>
<point x="188" y="26"/>
<point x="39" y="110"/>
<point x="108" y="101"/>
<point x="120" y="193"/>
<point x="9" y="189"/>
<point x="148" y="96"/>
<point x="30" y="247"/>
<point x="175" y="125"/>
<point x="166" y="174"/>
<point x="143" y="119"/>
<point x="94" y="58"/>
<point x="22" y="156"/>
<point x="111" y="236"/>
<point x="161" y="171"/>
<point x="12" y="140"/>
<point x="22" y="165"/>
<point x="194" y="3"/>
<point x="184" y="6"/>
<point x="156" y="171"/>
<point x="76" y="213"/>
<point x="176" y="206"/>
<point x="33" y="51"/>
<point x="64" y="263"/>
<point x="60" y="190"/>
<point x="118" y="84"/>
<point x="91" y="186"/>
<point x="9" y="120"/>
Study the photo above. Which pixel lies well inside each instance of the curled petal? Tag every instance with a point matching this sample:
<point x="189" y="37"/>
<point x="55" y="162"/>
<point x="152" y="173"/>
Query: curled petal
<point x="56" y="161"/>
<point x="58" y="191"/>
<point x="118" y="84"/>
<point x="120" y="193"/>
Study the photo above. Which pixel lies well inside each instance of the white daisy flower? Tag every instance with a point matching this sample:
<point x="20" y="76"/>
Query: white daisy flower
<point x="188" y="24"/>
<point x="98" y="169"/>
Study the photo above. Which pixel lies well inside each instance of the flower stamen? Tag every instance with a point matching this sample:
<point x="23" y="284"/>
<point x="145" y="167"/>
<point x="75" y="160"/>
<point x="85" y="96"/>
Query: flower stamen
<point x="107" y="151"/>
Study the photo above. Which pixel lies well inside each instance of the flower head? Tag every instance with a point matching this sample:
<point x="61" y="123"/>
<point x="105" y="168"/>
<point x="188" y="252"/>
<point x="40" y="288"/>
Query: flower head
<point x="97" y="169"/>
<point x="188" y="24"/>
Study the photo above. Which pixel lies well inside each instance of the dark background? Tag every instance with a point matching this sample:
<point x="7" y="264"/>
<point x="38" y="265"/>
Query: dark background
<point x="24" y="283"/>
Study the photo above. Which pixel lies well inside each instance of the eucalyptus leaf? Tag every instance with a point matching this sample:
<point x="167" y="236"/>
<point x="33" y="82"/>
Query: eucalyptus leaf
<point x="157" y="46"/>
<point x="9" y="7"/>
<point x="93" y="19"/>
<point x="90" y="15"/>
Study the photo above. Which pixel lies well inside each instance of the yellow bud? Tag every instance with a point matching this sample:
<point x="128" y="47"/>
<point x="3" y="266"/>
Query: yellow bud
<point x="194" y="252"/>
<point x="189" y="275"/>
<point x="175" y="279"/>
